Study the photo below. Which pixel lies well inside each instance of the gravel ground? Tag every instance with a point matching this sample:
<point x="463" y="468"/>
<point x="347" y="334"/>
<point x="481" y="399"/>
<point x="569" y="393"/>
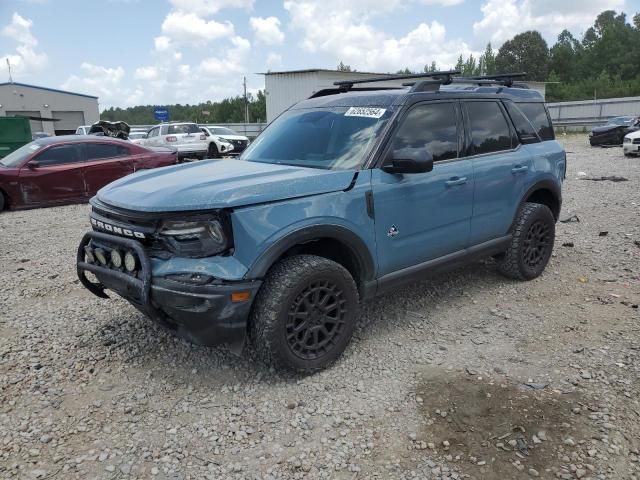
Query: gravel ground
<point x="468" y="375"/>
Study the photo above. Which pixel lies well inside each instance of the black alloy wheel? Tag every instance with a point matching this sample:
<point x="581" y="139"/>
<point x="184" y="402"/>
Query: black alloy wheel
<point x="316" y="319"/>
<point x="537" y="243"/>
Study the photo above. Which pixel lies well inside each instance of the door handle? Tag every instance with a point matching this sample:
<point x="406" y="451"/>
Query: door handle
<point x="452" y="182"/>
<point x="519" y="169"/>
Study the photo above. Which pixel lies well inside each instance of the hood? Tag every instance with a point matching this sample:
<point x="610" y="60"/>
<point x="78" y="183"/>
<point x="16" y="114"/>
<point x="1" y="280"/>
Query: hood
<point x="635" y="134"/>
<point x="211" y="184"/>
<point x="233" y="137"/>
<point x="607" y="128"/>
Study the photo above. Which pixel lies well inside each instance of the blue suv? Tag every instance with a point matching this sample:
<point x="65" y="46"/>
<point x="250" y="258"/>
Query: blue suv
<point x="345" y="196"/>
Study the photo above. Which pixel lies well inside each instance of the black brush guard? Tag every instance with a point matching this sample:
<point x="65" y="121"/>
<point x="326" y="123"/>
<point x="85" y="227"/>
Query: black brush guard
<point x="140" y="284"/>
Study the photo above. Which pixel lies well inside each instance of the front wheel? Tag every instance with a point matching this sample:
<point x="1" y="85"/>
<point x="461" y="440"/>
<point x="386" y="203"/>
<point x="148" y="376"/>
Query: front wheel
<point x="3" y="201"/>
<point x="531" y="244"/>
<point x="304" y="314"/>
<point x="212" y="151"/>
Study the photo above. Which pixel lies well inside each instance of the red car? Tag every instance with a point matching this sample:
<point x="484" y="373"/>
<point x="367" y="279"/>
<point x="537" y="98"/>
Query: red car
<point x="71" y="169"/>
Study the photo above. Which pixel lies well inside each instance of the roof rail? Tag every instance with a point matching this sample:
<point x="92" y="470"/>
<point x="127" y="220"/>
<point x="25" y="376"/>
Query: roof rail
<point x="443" y="78"/>
<point x="505" y="79"/>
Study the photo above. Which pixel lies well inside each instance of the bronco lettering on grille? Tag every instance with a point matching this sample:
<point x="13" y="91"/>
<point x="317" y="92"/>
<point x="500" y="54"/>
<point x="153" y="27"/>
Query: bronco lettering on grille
<point x="125" y="232"/>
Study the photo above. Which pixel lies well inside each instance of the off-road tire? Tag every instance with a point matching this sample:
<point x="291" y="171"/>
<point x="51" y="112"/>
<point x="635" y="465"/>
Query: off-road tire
<point x="212" y="151"/>
<point x="531" y="244"/>
<point x="291" y="284"/>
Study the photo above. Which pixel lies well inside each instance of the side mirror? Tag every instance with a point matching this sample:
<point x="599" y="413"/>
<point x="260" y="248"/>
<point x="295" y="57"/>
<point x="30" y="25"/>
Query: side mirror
<point x="408" y="160"/>
<point x="33" y="164"/>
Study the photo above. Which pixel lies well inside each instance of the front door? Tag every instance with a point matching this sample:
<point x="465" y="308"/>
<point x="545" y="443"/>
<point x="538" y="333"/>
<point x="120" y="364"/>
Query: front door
<point x="423" y="216"/>
<point x="105" y="162"/>
<point x="53" y="176"/>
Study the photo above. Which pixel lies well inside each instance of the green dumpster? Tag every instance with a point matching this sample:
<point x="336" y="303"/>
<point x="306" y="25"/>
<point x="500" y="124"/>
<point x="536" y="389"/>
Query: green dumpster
<point x="14" y="133"/>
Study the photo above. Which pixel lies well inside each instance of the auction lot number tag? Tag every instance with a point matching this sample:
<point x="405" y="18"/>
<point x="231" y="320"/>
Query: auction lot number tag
<point x="368" y="112"/>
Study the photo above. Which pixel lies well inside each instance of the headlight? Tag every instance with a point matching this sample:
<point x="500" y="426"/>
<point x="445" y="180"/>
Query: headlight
<point x="198" y="238"/>
<point x="627" y="140"/>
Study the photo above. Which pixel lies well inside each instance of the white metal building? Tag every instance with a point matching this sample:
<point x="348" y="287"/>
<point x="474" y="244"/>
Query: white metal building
<point x="283" y="89"/>
<point x="68" y="108"/>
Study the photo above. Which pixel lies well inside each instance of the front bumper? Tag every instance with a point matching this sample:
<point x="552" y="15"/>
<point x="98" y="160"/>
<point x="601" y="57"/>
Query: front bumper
<point x="631" y="148"/>
<point x="203" y="314"/>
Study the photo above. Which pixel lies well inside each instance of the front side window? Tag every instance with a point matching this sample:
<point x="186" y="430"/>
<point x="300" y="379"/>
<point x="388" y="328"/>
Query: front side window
<point x="537" y="115"/>
<point x="59" y="155"/>
<point x="489" y="128"/>
<point x="329" y="138"/>
<point x="97" y="151"/>
<point x="430" y="127"/>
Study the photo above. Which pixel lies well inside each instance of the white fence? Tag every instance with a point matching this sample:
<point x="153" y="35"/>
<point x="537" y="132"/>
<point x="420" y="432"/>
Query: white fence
<point x="587" y="113"/>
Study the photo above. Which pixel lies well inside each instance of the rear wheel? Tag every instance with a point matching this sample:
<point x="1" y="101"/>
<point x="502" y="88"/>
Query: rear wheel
<point x="304" y="314"/>
<point x="212" y="151"/>
<point x="531" y="244"/>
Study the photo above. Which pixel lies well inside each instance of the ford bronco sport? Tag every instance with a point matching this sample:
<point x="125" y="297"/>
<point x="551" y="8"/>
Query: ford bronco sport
<point x="346" y="195"/>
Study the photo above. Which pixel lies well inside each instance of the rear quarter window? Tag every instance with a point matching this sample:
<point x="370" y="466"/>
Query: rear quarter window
<point x="539" y="118"/>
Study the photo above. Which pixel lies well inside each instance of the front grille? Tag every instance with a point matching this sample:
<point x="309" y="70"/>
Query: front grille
<point x="636" y="141"/>
<point x="239" y="145"/>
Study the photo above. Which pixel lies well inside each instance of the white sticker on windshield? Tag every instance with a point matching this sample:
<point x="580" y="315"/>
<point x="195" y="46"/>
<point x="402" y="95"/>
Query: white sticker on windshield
<point x="368" y="112"/>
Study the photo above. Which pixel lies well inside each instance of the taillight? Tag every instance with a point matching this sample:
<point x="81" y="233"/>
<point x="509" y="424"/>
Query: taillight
<point x="203" y="137"/>
<point x="170" y="138"/>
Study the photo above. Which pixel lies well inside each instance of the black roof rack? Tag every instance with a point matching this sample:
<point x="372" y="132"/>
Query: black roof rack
<point x="505" y="79"/>
<point x="443" y="78"/>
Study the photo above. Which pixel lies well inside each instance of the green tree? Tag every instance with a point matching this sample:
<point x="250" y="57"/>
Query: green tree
<point x="344" y="68"/>
<point x="526" y="52"/>
<point x="488" y="61"/>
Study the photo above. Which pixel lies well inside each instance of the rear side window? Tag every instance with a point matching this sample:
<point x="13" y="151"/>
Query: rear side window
<point x="59" y="155"/>
<point x="431" y="126"/>
<point x="537" y="115"/>
<point x="96" y="151"/>
<point x="188" y="128"/>
<point x="489" y="128"/>
<point x="526" y="131"/>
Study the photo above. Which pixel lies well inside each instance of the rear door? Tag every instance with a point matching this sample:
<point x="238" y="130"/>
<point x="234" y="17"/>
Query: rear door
<point x="104" y="163"/>
<point x="500" y="167"/>
<point x="56" y="179"/>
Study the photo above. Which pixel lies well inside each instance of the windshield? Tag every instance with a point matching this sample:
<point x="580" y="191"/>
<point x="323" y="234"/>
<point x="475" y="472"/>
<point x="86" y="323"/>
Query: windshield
<point x="17" y="156"/>
<point x="222" y="131"/>
<point x="328" y="138"/>
<point x="621" y="121"/>
<point x="135" y="135"/>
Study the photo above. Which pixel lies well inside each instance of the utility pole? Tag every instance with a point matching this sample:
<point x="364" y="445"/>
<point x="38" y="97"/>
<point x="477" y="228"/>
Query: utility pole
<point x="246" y="102"/>
<point x="9" y="67"/>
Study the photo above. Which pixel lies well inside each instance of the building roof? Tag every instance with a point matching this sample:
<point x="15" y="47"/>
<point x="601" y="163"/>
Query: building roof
<point x="314" y="70"/>
<point x="47" y="88"/>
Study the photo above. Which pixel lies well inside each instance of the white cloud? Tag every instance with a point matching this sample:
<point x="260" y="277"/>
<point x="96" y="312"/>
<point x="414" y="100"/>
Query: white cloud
<point x="345" y="32"/>
<point x="443" y="3"/>
<point x="209" y="7"/>
<point x="104" y="82"/>
<point x="230" y="62"/>
<point x="25" y="60"/>
<point x="190" y="28"/>
<point x="162" y="43"/>
<point x="146" y="73"/>
<point x="267" y="30"/>
<point x="274" y="60"/>
<point x="502" y="19"/>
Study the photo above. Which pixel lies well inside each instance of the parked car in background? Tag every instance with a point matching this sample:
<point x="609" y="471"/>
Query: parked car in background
<point x="614" y="131"/>
<point x="631" y="144"/>
<point x="137" y="137"/>
<point x="217" y="146"/>
<point x="83" y="130"/>
<point x="71" y="169"/>
<point x="239" y="142"/>
<point x="37" y="135"/>
<point x="186" y="138"/>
